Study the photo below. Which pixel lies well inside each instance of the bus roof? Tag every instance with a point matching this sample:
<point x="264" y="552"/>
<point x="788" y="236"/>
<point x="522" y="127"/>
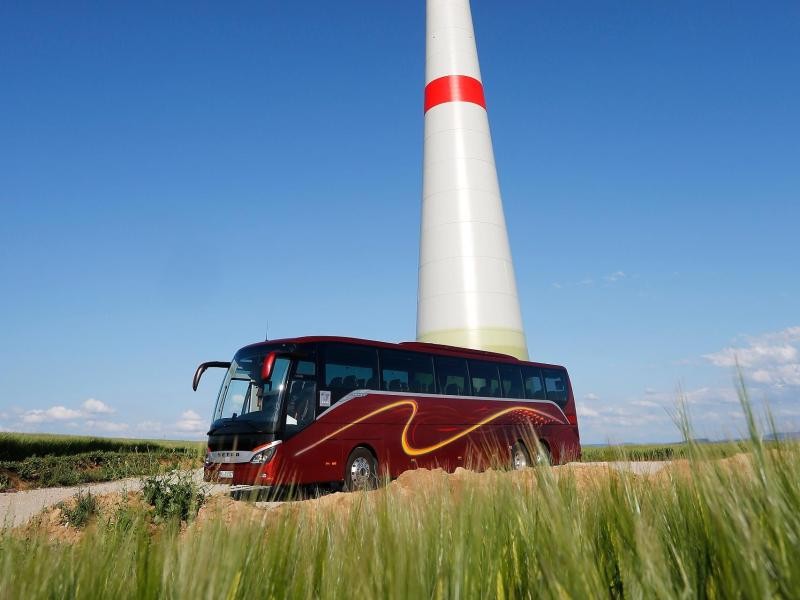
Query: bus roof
<point x="415" y="346"/>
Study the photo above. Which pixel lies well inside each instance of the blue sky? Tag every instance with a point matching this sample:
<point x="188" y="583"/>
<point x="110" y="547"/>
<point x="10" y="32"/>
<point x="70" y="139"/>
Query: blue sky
<point x="174" y="177"/>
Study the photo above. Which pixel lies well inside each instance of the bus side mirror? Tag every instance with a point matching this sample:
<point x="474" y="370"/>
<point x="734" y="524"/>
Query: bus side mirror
<point x="266" y="367"/>
<point x="202" y="369"/>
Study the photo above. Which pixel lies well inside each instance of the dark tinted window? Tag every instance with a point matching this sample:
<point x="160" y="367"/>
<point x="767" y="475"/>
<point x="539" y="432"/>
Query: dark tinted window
<point x="534" y="390"/>
<point x="451" y="375"/>
<point x="301" y="398"/>
<point x="349" y="368"/>
<point x="511" y="381"/>
<point x="306" y="368"/>
<point x="555" y="383"/>
<point x="406" y="372"/>
<point x="485" y="381"/>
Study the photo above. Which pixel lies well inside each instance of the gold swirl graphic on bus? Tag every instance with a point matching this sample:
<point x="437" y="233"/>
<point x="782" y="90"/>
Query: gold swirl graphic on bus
<point x="407" y="447"/>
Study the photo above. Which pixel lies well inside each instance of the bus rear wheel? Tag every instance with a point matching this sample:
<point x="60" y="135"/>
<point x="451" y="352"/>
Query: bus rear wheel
<point x="543" y="455"/>
<point x="361" y="472"/>
<point x="520" y="458"/>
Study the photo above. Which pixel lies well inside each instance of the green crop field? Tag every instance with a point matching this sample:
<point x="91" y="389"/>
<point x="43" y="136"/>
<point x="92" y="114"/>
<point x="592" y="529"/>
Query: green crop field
<point x="702" y="528"/>
<point x="40" y="460"/>
<point x="659" y="452"/>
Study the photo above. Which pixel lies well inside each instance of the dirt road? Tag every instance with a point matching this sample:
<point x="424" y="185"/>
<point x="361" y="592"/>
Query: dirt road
<point x="17" y="508"/>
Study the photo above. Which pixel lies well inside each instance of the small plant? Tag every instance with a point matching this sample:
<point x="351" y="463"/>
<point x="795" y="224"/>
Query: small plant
<point x="84" y="508"/>
<point x="5" y="483"/>
<point x="173" y="496"/>
<point x="124" y="517"/>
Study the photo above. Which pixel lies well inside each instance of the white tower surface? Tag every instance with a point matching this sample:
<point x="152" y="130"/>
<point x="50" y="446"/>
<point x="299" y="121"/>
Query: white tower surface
<point x="467" y="289"/>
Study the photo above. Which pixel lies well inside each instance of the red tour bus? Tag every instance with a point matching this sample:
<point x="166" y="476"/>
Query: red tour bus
<point x="331" y="410"/>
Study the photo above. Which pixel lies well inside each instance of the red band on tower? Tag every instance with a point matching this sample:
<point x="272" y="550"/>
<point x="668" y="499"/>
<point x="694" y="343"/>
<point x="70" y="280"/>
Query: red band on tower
<point x="454" y="88"/>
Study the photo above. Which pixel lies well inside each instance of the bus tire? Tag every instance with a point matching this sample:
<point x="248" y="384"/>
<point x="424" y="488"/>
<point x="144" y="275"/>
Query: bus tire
<point x="520" y="457"/>
<point x="361" y="472"/>
<point x="543" y="457"/>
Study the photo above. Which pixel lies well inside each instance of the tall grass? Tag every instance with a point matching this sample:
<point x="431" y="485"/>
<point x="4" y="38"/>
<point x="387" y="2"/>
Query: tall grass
<point x="710" y="528"/>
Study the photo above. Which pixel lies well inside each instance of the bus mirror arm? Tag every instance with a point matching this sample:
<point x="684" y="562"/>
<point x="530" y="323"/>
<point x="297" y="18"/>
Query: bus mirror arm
<point x="202" y="369"/>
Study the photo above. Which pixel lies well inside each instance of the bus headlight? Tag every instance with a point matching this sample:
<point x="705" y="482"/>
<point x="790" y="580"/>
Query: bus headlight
<point x="263" y="457"/>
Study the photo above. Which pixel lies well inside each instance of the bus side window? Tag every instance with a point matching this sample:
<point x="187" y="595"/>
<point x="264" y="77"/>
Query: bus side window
<point x="405" y="371"/>
<point x="555" y="382"/>
<point x="511" y="380"/>
<point x="534" y="389"/>
<point x="349" y="368"/>
<point x="485" y="381"/>
<point x="451" y="375"/>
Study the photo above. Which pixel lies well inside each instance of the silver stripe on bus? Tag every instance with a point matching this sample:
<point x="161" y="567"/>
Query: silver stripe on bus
<point x="227" y="457"/>
<point x="411" y="395"/>
<point x="230" y="456"/>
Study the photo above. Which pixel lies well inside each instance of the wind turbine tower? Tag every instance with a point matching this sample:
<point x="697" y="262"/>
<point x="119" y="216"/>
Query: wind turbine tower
<point x="467" y="288"/>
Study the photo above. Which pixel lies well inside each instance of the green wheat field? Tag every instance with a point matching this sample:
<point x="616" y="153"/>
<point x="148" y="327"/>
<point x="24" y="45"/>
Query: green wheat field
<point x="712" y="525"/>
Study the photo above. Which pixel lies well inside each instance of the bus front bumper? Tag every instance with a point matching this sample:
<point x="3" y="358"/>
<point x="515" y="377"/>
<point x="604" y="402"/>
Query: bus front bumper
<point x="239" y="474"/>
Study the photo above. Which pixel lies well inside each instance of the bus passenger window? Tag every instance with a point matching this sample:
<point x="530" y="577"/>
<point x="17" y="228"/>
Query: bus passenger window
<point x="534" y="389"/>
<point x="555" y="381"/>
<point x="511" y="379"/>
<point x="484" y="379"/>
<point x="349" y="368"/>
<point x="451" y="375"/>
<point x="406" y="371"/>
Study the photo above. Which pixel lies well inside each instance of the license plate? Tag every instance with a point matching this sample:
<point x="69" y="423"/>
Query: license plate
<point x="226" y="474"/>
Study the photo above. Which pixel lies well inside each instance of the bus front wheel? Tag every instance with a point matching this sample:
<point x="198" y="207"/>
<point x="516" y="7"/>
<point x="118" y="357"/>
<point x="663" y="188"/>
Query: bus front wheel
<point x="361" y="472"/>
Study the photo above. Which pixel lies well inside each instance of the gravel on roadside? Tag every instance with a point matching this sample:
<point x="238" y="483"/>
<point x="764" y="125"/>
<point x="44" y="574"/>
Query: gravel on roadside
<point x="16" y="508"/>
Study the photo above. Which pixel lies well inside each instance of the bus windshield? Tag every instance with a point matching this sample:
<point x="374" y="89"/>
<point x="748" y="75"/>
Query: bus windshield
<point x="245" y="396"/>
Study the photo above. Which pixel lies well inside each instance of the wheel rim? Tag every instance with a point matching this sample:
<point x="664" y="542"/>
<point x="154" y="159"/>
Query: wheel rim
<point x="520" y="459"/>
<point x="361" y="472"/>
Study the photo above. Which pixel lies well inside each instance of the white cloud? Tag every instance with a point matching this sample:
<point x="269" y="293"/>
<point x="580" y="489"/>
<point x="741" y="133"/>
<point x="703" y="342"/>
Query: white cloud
<point x="55" y="413"/>
<point x="625" y="414"/>
<point x="96" y="407"/>
<point x="711" y="396"/>
<point x="646" y="404"/>
<point x="591" y="397"/>
<point x="771" y="359"/>
<point x="88" y="409"/>
<point x="650" y="415"/>
<point x="614" y="277"/>
<point x="754" y="355"/>
<point x="191" y="422"/>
